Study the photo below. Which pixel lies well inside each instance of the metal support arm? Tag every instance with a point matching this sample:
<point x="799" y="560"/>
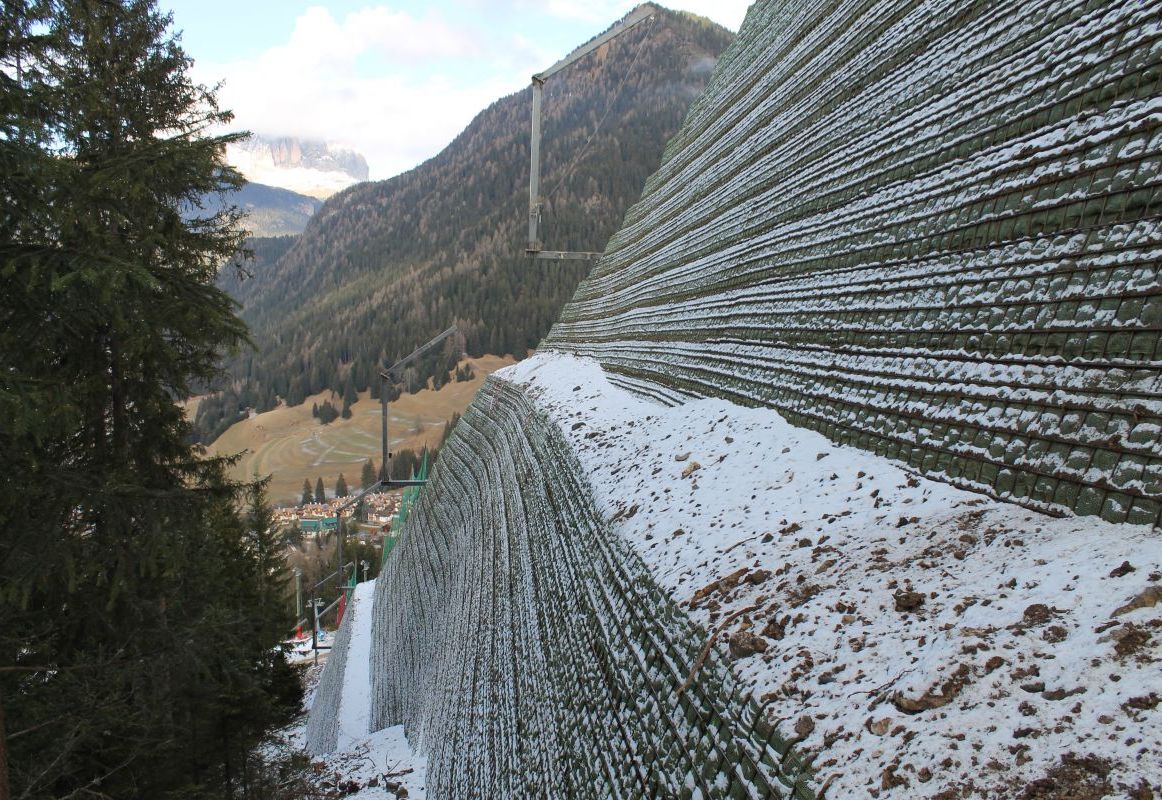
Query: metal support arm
<point x="639" y="15"/>
<point x="391" y="374"/>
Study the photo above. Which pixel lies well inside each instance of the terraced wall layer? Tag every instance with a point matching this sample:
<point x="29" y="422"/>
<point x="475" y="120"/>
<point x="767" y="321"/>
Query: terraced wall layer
<point x="528" y="652"/>
<point x="928" y="229"/>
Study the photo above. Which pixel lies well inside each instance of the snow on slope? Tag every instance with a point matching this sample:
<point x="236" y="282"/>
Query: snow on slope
<point x="354" y="703"/>
<point x="920" y="640"/>
<point x="363" y="764"/>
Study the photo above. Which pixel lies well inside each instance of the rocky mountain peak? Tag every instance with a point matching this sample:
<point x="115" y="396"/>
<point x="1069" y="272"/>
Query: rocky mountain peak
<point x="308" y="166"/>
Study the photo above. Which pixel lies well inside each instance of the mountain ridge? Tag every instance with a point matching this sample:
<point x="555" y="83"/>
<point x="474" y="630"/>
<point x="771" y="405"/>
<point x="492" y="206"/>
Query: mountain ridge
<point x="384" y="265"/>
<point x="275" y="211"/>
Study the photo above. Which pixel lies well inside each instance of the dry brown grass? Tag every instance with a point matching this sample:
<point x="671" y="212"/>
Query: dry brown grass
<point x="289" y="444"/>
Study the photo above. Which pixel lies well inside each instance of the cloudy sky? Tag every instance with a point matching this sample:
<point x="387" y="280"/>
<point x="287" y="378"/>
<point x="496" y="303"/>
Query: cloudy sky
<point x="395" y="80"/>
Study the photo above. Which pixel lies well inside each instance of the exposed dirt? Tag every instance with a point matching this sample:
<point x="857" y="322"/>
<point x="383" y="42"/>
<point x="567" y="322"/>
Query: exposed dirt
<point x="1075" y="778"/>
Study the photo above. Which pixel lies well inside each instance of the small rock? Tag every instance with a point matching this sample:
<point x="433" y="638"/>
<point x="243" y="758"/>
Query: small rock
<point x="880" y="726"/>
<point x="1037" y="614"/>
<point x="993" y="664"/>
<point x="908" y="601"/>
<point x="1130" y="639"/>
<point x="1147" y="702"/>
<point x="758" y="576"/>
<point x="1061" y="694"/>
<point x="924" y="775"/>
<point x="1031" y="671"/>
<point x="683" y="456"/>
<point x="1055" y="633"/>
<point x="804" y="726"/>
<point x="743" y="643"/>
<point x="1034" y="687"/>
<point x="889" y="779"/>
<point x="1121" y="571"/>
<point x="776" y="629"/>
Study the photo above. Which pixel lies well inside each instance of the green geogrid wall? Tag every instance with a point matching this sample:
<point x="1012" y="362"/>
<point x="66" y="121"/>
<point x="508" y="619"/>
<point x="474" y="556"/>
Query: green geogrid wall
<point x="931" y="230"/>
<point x="528" y="652"/>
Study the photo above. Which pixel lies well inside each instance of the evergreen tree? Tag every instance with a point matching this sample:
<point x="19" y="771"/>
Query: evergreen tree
<point x="327" y="413"/>
<point x="368" y="478"/>
<point x="449" y="426"/>
<point x="271" y="579"/>
<point x="341" y="486"/>
<point x="350" y="397"/>
<point x="320" y="492"/>
<point x="130" y="661"/>
<point x="308" y="496"/>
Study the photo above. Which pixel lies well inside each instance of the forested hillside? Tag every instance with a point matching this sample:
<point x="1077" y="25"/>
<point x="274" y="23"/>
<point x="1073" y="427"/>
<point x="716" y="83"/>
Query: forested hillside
<point x="271" y="211"/>
<point x="385" y="265"/>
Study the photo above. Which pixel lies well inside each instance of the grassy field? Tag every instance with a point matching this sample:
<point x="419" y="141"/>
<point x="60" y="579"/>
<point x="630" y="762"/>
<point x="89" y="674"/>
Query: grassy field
<point x="289" y="444"/>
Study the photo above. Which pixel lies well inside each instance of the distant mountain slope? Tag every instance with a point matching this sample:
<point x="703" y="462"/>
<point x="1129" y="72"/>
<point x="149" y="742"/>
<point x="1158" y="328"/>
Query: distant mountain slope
<point x="271" y="211"/>
<point x="385" y="265"/>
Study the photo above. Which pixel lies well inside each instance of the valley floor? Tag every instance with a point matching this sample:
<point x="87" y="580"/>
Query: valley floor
<point x="290" y="445"/>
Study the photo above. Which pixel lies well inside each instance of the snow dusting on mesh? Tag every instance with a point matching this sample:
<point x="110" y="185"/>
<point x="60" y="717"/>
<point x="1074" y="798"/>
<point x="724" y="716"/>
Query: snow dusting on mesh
<point x="918" y="640"/>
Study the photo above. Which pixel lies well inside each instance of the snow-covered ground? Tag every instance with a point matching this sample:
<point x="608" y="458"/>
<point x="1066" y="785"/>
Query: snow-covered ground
<point x="375" y="766"/>
<point x="364" y="765"/>
<point x="918" y="640"/>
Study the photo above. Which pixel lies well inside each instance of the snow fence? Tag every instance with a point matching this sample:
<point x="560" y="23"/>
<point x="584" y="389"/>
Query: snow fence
<point x="529" y="654"/>
<point x="927" y="229"/>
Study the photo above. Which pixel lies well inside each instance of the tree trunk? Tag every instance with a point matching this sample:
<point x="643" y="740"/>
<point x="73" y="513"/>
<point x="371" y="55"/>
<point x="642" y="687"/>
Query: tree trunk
<point x="5" y="794"/>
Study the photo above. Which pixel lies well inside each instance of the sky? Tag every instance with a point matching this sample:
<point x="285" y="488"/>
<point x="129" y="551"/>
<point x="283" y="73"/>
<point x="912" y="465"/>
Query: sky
<point x="395" y="80"/>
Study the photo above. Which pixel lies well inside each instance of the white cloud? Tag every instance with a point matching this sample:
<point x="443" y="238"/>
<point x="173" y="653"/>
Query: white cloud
<point x="314" y="86"/>
<point x="397" y="87"/>
<point x="728" y="13"/>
